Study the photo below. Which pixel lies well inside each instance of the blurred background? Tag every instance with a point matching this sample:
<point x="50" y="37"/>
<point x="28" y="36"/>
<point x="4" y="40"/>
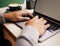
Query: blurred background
<point x="29" y="4"/>
<point x="4" y="3"/>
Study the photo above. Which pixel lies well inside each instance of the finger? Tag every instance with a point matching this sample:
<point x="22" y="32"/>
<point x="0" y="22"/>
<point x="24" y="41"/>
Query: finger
<point x="36" y="17"/>
<point x="41" y="19"/>
<point x="23" y="18"/>
<point x="47" y="26"/>
<point x="30" y="14"/>
<point x="44" y="21"/>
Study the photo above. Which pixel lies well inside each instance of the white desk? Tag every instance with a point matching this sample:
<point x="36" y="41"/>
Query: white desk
<point x="53" y="41"/>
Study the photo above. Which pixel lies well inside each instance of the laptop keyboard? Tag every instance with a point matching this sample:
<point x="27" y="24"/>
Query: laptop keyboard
<point x="53" y="27"/>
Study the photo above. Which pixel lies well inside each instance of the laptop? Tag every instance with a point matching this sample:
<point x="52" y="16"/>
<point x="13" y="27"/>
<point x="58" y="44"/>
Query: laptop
<point x="49" y="10"/>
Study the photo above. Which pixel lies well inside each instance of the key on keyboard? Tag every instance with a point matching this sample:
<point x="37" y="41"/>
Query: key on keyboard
<point x="53" y="27"/>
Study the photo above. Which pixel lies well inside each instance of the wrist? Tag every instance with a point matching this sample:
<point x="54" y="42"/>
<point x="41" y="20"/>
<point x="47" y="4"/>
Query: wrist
<point x="7" y="16"/>
<point x="34" y="26"/>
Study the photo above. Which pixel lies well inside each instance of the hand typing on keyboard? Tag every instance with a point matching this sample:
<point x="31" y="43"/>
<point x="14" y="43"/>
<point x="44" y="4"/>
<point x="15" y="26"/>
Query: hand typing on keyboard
<point x="17" y="15"/>
<point x="39" y="24"/>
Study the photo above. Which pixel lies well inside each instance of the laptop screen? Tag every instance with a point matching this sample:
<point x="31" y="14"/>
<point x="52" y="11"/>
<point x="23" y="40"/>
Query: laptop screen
<point x="50" y="8"/>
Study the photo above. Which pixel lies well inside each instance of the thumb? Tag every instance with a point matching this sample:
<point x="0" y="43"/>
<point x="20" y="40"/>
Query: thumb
<point x="35" y="18"/>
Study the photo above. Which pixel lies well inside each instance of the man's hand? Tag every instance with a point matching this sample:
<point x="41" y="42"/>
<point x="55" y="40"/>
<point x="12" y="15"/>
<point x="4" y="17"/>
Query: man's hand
<point x="17" y="15"/>
<point x="38" y="24"/>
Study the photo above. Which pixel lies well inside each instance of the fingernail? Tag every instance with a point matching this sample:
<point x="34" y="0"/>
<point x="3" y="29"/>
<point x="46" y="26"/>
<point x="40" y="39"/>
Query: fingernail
<point x="28" y="18"/>
<point x="36" y="16"/>
<point x="49" y="25"/>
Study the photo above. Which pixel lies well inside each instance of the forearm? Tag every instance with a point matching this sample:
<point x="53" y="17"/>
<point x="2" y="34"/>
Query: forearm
<point x="29" y="37"/>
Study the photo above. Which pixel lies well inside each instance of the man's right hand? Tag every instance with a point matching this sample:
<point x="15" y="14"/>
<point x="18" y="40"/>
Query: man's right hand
<point x="38" y="24"/>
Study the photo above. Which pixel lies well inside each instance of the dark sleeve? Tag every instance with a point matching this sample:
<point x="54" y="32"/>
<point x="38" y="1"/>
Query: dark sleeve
<point x="1" y="18"/>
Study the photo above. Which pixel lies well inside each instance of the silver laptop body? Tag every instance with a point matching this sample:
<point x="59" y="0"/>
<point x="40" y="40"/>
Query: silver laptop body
<point x="50" y="10"/>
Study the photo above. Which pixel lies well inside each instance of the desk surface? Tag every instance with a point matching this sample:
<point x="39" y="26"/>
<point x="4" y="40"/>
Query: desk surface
<point x="53" y="41"/>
